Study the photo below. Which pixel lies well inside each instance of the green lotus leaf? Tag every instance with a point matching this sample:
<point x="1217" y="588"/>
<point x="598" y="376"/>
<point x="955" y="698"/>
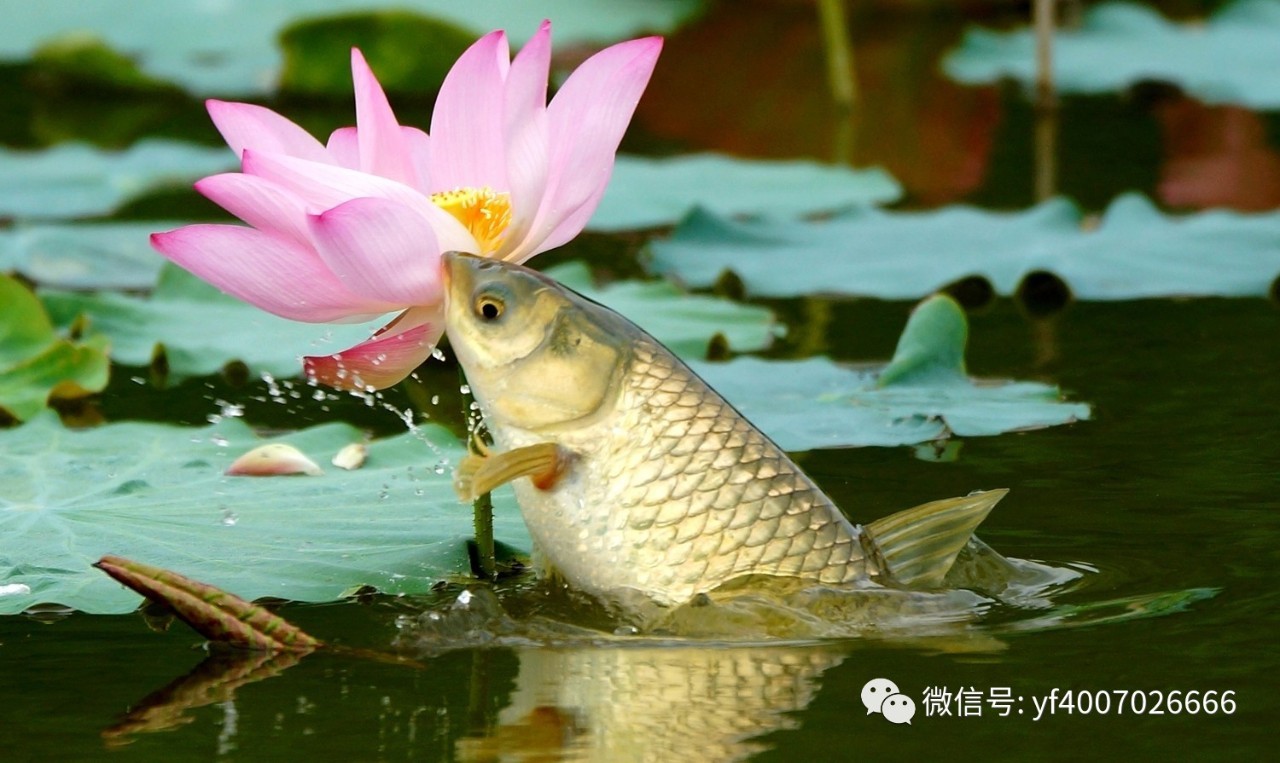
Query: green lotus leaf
<point x="921" y="396"/>
<point x="646" y="193"/>
<point x="1231" y="58"/>
<point x="1134" y="252"/>
<point x="38" y="366"/>
<point x="112" y="255"/>
<point x="75" y="180"/>
<point x="230" y="47"/>
<point x="200" y="328"/>
<point x="158" y="493"/>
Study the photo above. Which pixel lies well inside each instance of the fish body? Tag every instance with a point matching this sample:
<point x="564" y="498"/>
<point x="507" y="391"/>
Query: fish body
<point x="632" y="474"/>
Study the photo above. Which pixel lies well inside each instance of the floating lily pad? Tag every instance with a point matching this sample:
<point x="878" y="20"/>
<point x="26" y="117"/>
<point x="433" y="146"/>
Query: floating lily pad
<point x="202" y="329"/>
<point x="646" y="193"/>
<point x="924" y="394"/>
<point x="36" y="365"/>
<point x="1134" y="252"/>
<point x="230" y="47"/>
<point x="683" y="322"/>
<point x="75" y="180"/>
<point x="84" y="256"/>
<point x="158" y="493"/>
<point x="1231" y="58"/>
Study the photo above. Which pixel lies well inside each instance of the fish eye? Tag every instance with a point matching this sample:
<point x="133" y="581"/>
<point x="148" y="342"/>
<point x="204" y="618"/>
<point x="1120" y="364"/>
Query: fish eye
<point x="489" y="306"/>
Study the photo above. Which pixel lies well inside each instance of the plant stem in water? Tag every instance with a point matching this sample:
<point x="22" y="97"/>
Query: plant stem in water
<point x="840" y="66"/>
<point x="482" y="507"/>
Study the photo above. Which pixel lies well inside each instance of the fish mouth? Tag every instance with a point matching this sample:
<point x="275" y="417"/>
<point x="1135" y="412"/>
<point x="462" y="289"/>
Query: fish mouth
<point x="446" y="268"/>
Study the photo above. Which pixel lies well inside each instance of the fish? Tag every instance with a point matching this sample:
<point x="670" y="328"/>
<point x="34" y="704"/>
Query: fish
<point x="635" y="478"/>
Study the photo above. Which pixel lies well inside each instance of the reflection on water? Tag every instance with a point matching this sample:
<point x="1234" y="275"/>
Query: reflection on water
<point x="1217" y="156"/>
<point x="215" y="680"/>
<point x="652" y="703"/>
<point x="707" y="680"/>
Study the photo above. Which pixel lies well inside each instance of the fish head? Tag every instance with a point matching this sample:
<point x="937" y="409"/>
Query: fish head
<point x="535" y="353"/>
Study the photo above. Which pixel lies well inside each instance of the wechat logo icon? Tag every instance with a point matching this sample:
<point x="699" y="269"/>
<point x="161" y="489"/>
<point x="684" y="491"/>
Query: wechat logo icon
<point x="880" y="695"/>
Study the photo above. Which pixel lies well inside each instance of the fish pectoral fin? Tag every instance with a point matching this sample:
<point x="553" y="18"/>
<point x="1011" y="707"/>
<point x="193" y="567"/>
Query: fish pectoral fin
<point x="918" y="546"/>
<point x="544" y="463"/>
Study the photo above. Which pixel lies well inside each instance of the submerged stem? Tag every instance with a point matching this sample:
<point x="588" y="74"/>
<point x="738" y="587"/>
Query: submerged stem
<point x="482" y="506"/>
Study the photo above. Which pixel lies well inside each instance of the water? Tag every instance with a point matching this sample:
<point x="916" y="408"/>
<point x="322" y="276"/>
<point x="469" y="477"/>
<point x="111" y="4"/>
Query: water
<point x="1171" y="487"/>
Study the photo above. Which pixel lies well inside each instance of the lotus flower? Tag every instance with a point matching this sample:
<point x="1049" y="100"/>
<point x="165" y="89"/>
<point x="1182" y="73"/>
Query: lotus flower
<point x="353" y="229"/>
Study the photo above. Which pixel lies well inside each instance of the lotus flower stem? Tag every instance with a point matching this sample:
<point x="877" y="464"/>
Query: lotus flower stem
<point x="841" y="72"/>
<point x="1046" y="111"/>
<point x="1042" y="19"/>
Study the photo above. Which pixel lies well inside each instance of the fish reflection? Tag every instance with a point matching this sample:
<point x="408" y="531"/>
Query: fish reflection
<point x="643" y="703"/>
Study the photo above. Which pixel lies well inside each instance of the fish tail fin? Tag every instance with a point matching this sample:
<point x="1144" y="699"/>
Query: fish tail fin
<point x="917" y="547"/>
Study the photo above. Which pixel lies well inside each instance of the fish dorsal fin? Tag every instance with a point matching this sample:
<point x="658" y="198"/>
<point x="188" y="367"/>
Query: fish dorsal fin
<point x="918" y="546"/>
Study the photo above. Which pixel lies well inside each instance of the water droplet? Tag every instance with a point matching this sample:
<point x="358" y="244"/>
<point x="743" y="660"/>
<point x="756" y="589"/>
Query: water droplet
<point x="435" y="400"/>
<point x="229" y="518"/>
<point x="464" y="598"/>
<point x="626" y="630"/>
<point x="465" y="389"/>
<point x="219" y="440"/>
<point x="137" y="380"/>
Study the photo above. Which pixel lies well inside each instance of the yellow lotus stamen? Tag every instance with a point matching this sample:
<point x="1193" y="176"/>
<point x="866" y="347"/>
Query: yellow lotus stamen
<point x="484" y="211"/>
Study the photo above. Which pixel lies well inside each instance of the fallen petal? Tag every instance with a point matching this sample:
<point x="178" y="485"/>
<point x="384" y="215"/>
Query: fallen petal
<point x="273" y="459"/>
<point x="351" y="457"/>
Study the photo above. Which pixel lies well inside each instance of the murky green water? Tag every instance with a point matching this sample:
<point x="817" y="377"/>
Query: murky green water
<point x="1170" y="487"/>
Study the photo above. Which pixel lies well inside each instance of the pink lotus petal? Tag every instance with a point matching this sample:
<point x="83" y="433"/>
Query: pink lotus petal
<point x="344" y="148"/>
<point x="418" y="147"/>
<point x="261" y="203"/>
<point x="467" y="148"/>
<point x="246" y="126"/>
<point x="382" y="150"/>
<point x="381" y="250"/>
<point x="324" y="186"/>
<point x="526" y="137"/>
<point x="391" y="355"/>
<point x="587" y="120"/>
<point x="268" y="271"/>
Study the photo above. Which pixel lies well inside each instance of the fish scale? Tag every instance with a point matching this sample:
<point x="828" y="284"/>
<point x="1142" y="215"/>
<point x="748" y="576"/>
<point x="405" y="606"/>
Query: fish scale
<point x="696" y="495"/>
